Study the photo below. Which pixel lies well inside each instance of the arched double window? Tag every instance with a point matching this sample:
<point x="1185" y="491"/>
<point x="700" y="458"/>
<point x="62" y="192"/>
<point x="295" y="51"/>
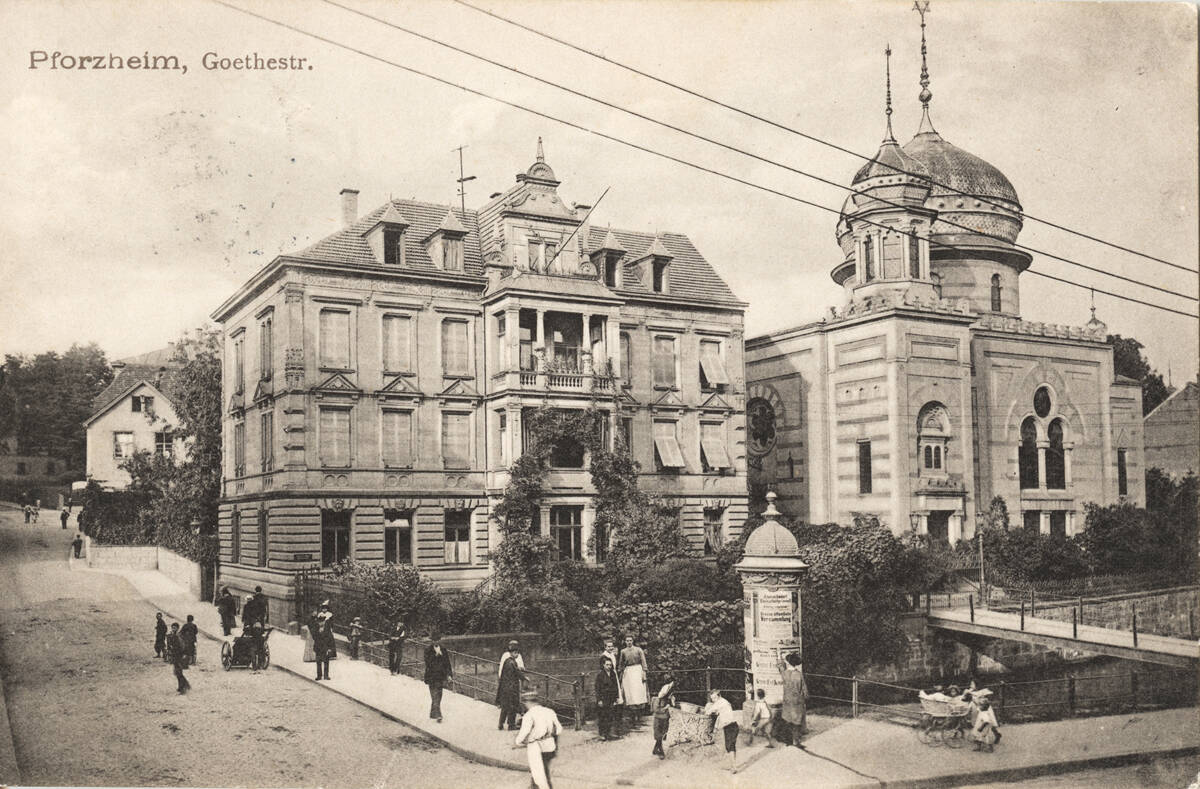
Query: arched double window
<point x="933" y="439"/>
<point x="1056" y="467"/>
<point x="1027" y="454"/>
<point x="868" y="259"/>
<point x="995" y="293"/>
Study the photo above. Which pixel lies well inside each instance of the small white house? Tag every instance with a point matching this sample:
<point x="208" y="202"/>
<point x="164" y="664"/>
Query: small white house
<point x="133" y="413"/>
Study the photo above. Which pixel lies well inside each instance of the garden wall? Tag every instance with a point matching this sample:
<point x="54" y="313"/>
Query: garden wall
<point x="1169" y="612"/>
<point x="183" y="572"/>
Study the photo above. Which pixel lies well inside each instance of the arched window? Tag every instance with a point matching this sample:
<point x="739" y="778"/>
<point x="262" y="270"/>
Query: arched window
<point x="1027" y="455"/>
<point x="936" y="279"/>
<point x="914" y="256"/>
<point x="868" y="259"/>
<point x="995" y="293"/>
<point x="933" y="436"/>
<point x="928" y="457"/>
<point x="937" y="458"/>
<point x="1056" y="473"/>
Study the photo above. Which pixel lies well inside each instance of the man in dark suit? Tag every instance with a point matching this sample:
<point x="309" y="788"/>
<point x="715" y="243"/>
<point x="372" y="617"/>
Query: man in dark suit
<point x="607" y="686"/>
<point x="437" y="674"/>
<point x="177" y="654"/>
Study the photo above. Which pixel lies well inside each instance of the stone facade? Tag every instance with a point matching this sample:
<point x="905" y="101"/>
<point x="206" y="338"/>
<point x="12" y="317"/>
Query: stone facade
<point x="926" y="394"/>
<point x="1173" y="433"/>
<point x="376" y="384"/>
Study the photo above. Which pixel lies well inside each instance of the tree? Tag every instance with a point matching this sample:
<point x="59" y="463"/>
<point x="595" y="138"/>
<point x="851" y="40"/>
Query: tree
<point x="1129" y="362"/>
<point x="45" y="399"/>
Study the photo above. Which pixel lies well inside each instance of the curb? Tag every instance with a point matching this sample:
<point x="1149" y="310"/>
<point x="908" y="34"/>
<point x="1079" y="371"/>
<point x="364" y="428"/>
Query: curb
<point x="10" y="769"/>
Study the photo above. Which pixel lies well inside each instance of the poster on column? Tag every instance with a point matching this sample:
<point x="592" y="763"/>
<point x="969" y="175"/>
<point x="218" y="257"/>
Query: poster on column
<point x="773" y="631"/>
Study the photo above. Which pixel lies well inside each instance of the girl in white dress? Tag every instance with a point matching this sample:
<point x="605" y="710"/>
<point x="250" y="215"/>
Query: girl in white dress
<point x="633" y="668"/>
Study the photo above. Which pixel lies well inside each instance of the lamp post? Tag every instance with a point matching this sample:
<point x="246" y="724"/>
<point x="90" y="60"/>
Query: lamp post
<point x="770" y="572"/>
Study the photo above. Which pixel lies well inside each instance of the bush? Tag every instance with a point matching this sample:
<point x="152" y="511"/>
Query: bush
<point x="1020" y="555"/>
<point x="111" y="517"/>
<point x="385" y="593"/>
<point x="680" y="579"/>
<point x="549" y="608"/>
<point x="677" y="634"/>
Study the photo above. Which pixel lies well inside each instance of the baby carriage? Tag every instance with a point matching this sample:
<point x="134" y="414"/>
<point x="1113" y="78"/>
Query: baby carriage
<point x="239" y="652"/>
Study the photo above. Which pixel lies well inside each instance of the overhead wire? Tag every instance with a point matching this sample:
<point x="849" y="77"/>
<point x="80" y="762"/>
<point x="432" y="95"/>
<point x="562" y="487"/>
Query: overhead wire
<point x="797" y="132"/>
<point x="741" y="151"/>
<point x="630" y="144"/>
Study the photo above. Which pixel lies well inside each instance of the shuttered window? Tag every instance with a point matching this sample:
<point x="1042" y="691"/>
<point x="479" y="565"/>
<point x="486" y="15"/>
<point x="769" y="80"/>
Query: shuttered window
<point x="335" y="339"/>
<point x="396" y="343"/>
<point x="664" y="361"/>
<point x="667" y="454"/>
<point x="457" y="537"/>
<point x="397" y="439"/>
<point x="626" y="350"/>
<point x="456" y="440"/>
<point x="454" y="348"/>
<point x="712" y="366"/>
<point x="334" y="438"/>
<point x="712" y="446"/>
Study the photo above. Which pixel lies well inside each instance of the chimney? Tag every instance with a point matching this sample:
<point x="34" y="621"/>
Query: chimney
<point x="349" y="206"/>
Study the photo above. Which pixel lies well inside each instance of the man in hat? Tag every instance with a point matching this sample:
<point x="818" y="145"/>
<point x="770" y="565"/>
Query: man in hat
<point x="514" y="650"/>
<point x="64" y="516"/>
<point x="177" y="655"/>
<point x="508" y="689"/>
<point x="227" y="608"/>
<point x="437" y="673"/>
<point x="539" y="734"/>
<point x="356" y="634"/>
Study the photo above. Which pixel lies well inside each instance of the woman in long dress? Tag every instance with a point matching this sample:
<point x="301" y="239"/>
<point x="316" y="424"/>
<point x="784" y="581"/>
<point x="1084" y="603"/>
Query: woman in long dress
<point x="633" y="668"/>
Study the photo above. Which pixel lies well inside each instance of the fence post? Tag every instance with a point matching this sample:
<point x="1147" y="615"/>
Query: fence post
<point x="1001" y="701"/>
<point x="1032" y="602"/>
<point x="1081" y="610"/>
<point x="707" y="681"/>
<point x="949" y="601"/>
<point x="1135" y="625"/>
<point x="1074" y="624"/>
<point x="1191" y="624"/>
<point x="927" y="596"/>
<point x="854" y="697"/>
<point x="971" y="602"/>
<point x="579" y="686"/>
<point x="1022" y="614"/>
<point x="1071" y="697"/>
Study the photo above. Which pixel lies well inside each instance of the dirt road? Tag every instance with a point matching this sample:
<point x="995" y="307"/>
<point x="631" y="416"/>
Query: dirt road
<point x="91" y="705"/>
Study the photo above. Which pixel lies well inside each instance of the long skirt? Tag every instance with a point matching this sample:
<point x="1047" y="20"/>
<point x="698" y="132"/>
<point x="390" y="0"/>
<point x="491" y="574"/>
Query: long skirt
<point x="633" y="686"/>
<point x="310" y="656"/>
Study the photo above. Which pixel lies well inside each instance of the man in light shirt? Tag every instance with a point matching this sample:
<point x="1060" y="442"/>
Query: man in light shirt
<point x="726" y="723"/>
<point x="539" y="734"/>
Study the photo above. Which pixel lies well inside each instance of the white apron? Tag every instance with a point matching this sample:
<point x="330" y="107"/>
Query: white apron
<point x="633" y="685"/>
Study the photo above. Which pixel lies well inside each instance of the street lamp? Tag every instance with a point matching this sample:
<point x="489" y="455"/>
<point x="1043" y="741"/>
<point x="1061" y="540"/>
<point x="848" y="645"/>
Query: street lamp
<point x="195" y="524"/>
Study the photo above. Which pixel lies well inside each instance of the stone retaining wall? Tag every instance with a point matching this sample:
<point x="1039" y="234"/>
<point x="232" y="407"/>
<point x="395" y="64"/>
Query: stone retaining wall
<point x="1164" y="612"/>
<point x="181" y="570"/>
<point x="120" y="557"/>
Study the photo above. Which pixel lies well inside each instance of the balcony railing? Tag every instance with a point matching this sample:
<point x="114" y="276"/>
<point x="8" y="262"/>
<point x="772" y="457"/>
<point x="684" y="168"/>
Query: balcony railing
<point x="569" y="372"/>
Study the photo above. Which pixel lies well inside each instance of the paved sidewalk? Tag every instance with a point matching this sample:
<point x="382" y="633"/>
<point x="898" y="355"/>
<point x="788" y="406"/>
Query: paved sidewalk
<point x="849" y="753"/>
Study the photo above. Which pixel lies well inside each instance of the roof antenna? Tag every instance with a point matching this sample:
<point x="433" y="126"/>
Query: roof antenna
<point x="1093" y="307"/>
<point x="462" y="179"/>
<point x="925" y="95"/>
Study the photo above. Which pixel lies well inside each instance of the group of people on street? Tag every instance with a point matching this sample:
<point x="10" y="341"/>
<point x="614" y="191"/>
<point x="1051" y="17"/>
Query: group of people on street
<point x="973" y="708"/>
<point x="620" y="686"/>
<point x="176" y="646"/>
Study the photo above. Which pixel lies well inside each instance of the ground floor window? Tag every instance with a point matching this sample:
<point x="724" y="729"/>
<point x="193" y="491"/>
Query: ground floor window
<point x="458" y="537"/>
<point x="235" y="537"/>
<point x="938" y="527"/>
<point x="566" y="529"/>
<point x="600" y="535"/>
<point x="263" y="538"/>
<point x="1058" y="523"/>
<point x="335" y="537"/>
<point x="714" y="529"/>
<point x="397" y="537"/>
<point x="1032" y="520"/>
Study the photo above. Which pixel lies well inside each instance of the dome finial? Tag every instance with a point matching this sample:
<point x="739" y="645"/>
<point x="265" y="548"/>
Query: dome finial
<point x="541" y="157"/>
<point x="887" y="54"/>
<point x="925" y="95"/>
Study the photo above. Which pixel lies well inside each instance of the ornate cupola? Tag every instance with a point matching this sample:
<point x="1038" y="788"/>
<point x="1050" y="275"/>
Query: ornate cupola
<point x="884" y="226"/>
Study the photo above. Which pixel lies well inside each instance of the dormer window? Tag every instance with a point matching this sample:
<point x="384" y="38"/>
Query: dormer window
<point x="535" y="254"/>
<point x="452" y="254"/>
<point x="659" y="267"/>
<point x="609" y="271"/>
<point x="393" y="246"/>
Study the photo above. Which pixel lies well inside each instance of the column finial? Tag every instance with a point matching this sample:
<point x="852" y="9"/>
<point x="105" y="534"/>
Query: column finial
<point x="541" y="157"/>
<point x="887" y="54"/>
<point x="922" y="8"/>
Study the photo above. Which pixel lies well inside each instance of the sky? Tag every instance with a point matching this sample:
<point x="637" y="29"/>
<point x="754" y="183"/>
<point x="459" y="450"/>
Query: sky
<point x="136" y="201"/>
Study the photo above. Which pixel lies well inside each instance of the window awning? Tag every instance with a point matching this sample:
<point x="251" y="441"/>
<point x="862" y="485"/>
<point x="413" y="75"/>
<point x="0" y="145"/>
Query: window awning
<point x="713" y="368"/>
<point x="669" y="453"/>
<point x="714" y="453"/>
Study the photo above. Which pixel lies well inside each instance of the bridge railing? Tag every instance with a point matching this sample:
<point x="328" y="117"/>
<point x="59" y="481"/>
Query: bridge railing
<point x="1095" y="694"/>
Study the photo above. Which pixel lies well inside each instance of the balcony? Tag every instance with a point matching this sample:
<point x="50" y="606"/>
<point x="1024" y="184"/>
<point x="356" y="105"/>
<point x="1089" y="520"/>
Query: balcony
<point x="565" y="370"/>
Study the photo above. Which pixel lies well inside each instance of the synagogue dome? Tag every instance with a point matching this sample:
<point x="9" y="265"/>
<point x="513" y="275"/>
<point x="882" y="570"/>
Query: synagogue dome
<point x="954" y="172"/>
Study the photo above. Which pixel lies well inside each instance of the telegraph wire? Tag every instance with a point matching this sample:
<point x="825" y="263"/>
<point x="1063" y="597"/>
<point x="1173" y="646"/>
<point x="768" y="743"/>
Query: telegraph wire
<point x="633" y="145"/>
<point x="735" y="149"/>
<point x="797" y="132"/>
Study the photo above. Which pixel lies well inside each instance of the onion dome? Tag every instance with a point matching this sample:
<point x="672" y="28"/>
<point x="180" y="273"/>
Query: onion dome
<point x="771" y="538"/>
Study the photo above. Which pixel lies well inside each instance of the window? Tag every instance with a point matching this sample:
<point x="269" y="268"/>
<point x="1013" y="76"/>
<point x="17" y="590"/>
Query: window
<point x="1042" y="402"/>
<point x="713" y="456"/>
<point x="164" y="444"/>
<point x="397" y="343"/>
<point x="397" y="537"/>
<point x="664" y="362"/>
<point x="235" y="537"/>
<point x="502" y="427"/>
<point x="551" y="255"/>
<point x="335" y="537"/>
<point x="452" y="254"/>
<point x="600" y="541"/>
<point x="239" y="364"/>
<point x="335" y="339"/>
<point x="712" y="365"/>
<point x="458" y="537"/>
<point x="714" y="529"/>
<point x="526" y="348"/>
<point x="454" y="348"/>
<point x="567" y="451"/>
<point x="123" y="444"/>
<point x="239" y="449"/>
<point x="864" y="467"/>
<point x="936" y="279"/>
<point x="535" y="254"/>
<point x="1058" y="523"/>
<point x="660" y="275"/>
<point x="1122" y="474"/>
<point x="610" y="271"/>
<point x="1056" y="473"/>
<point x="397" y="440"/>
<point x="667" y="454"/>
<point x="393" y="247"/>
<point x="334" y="437"/>
<point x="1032" y="520"/>
<point x="456" y="440"/>
<point x="625" y="432"/>
<point x="1027" y="455"/>
<point x="995" y="293"/>
<point x="142" y="403"/>
<point x="914" y="256"/>
<point x="265" y="355"/>
<point x="933" y="438"/>
<point x="626" y="350"/>
<point x="868" y="259"/>
<point x="566" y="530"/>
<point x="263" y="537"/>
<point x="266" y="439"/>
